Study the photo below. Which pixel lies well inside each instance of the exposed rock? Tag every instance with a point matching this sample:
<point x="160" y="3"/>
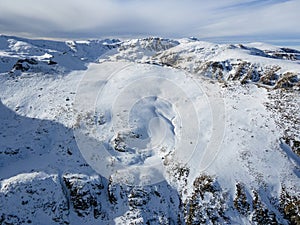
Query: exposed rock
<point x="24" y="64"/>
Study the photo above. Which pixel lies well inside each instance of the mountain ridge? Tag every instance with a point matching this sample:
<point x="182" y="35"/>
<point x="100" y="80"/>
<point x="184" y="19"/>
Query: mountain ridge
<point x="254" y="178"/>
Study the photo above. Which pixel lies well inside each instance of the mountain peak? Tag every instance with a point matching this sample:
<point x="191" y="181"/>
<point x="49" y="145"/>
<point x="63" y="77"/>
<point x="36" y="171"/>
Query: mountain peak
<point x="148" y="131"/>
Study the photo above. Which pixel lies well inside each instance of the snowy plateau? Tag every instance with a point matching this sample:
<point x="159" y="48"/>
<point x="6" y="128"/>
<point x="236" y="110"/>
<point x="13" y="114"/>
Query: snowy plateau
<point x="148" y="131"/>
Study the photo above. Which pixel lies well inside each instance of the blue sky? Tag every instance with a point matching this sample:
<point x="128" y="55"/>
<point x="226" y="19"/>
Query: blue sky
<point x="273" y="21"/>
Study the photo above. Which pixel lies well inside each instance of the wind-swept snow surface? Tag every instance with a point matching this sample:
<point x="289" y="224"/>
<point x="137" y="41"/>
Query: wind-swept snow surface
<point x="146" y="115"/>
<point x="148" y="131"/>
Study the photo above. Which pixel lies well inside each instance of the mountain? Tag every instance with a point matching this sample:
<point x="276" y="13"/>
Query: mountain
<point x="148" y="131"/>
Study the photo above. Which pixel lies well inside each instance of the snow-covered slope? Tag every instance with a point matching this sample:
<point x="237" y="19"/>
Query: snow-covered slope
<point x="18" y="54"/>
<point x="148" y="131"/>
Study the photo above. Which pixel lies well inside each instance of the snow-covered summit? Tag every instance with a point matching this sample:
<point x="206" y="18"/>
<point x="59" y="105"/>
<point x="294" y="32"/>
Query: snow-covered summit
<point x="50" y="56"/>
<point x="239" y="103"/>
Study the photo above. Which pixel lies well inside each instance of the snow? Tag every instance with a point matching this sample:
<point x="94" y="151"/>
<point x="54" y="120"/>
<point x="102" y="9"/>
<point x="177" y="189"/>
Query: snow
<point x="139" y="97"/>
<point x="290" y="154"/>
<point x="108" y="121"/>
<point x="263" y="46"/>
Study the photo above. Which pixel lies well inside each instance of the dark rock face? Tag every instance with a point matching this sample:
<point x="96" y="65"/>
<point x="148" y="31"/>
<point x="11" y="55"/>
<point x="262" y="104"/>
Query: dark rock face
<point x="152" y="43"/>
<point x="240" y="201"/>
<point x="207" y="204"/>
<point x="290" y="206"/>
<point x="239" y="70"/>
<point x="85" y="195"/>
<point x="24" y="64"/>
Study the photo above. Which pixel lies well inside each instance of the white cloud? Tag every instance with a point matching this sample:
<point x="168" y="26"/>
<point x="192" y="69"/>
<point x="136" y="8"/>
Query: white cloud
<point x="279" y="19"/>
<point x="171" y="18"/>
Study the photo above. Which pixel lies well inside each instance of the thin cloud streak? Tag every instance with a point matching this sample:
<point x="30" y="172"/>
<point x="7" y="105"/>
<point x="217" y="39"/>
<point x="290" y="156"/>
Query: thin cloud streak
<point x="279" y="19"/>
<point x="169" y="18"/>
